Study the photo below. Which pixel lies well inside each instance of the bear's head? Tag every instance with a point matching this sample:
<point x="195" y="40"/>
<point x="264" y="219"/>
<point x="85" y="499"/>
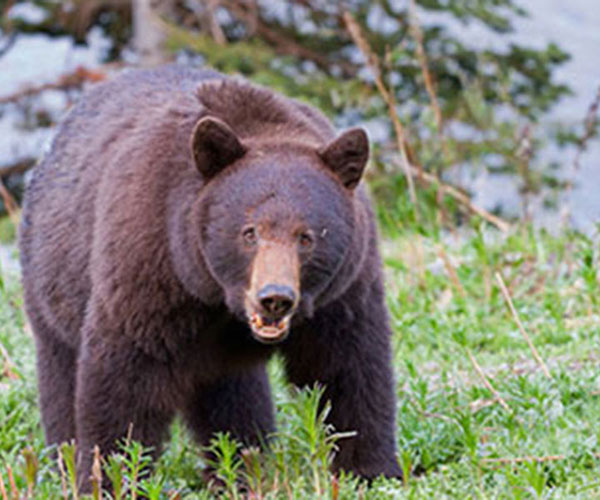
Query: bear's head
<point x="276" y="220"/>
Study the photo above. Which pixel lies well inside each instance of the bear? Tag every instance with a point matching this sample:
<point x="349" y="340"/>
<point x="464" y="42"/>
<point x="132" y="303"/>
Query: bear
<point x="184" y="227"/>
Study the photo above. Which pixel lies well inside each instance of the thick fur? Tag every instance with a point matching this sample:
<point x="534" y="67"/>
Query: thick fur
<point x="133" y="274"/>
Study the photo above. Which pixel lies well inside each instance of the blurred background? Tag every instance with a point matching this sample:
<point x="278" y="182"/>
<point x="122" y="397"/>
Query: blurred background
<point x="481" y="108"/>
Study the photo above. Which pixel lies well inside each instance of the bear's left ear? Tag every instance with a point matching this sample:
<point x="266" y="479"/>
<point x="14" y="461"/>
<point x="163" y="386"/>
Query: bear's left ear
<point x="214" y="146"/>
<point x="347" y="156"/>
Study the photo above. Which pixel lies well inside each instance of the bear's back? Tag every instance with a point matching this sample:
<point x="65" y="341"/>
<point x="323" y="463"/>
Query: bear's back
<point x="59" y="210"/>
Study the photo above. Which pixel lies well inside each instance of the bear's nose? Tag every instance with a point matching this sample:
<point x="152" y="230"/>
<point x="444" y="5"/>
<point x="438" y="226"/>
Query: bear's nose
<point x="276" y="300"/>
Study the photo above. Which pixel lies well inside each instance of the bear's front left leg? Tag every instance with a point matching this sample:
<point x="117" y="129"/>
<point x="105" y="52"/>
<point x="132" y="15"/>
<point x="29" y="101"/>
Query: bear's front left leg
<point x="238" y="403"/>
<point x="346" y="347"/>
<point x="119" y="388"/>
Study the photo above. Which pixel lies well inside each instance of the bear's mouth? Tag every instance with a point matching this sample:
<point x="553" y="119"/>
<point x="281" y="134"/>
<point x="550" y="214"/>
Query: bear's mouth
<point x="269" y="330"/>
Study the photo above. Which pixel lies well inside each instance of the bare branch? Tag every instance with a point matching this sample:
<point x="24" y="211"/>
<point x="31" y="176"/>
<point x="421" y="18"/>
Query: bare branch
<point x="215" y="28"/>
<point x="459" y="196"/>
<point x="19" y="167"/>
<point x="10" y="41"/>
<point x="373" y="61"/>
<point x="76" y="79"/>
<point x="281" y="43"/>
<point x="417" y="33"/>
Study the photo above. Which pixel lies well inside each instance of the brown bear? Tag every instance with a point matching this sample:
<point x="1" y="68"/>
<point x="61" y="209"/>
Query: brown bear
<point x="182" y="228"/>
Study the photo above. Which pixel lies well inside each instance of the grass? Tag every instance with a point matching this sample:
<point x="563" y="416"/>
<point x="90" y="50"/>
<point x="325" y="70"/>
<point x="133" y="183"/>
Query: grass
<point x="477" y="415"/>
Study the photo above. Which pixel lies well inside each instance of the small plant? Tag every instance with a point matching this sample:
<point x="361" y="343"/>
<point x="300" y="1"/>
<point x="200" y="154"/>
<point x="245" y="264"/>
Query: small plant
<point x="226" y="462"/>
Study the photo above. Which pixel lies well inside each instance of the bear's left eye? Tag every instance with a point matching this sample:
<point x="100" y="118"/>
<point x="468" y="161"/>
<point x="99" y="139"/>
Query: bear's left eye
<point x="306" y="240"/>
<point x="249" y="235"/>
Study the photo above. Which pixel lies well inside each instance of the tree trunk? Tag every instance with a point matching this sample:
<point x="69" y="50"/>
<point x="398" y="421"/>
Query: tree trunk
<point x="148" y="36"/>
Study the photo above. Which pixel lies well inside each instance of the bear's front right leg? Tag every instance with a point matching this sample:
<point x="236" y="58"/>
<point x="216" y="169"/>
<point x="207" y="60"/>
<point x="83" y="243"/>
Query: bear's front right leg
<point x="56" y="380"/>
<point x="119" y="388"/>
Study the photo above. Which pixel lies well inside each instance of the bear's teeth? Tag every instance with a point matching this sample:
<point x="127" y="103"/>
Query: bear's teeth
<point x="257" y="320"/>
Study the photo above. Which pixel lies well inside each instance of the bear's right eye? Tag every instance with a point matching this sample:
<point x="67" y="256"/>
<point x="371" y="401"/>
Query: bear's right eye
<point x="249" y="235"/>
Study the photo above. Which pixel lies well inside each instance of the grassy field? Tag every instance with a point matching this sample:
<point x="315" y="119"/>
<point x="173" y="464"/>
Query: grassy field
<point x="480" y="413"/>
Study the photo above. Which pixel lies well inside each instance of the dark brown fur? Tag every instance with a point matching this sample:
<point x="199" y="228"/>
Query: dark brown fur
<point x="134" y="275"/>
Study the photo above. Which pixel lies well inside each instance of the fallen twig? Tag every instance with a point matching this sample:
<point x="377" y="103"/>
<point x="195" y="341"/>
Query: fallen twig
<point x="534" y="351"/>
<point x="529" y="458"/>
<point x="451" y="271"/>
<point x="487" y="383"/>
<point x="479" y="404"/>
<point x="581" y="322"/>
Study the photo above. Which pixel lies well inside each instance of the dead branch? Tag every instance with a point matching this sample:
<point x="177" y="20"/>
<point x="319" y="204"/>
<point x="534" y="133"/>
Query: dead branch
<point x="19" y="167"/>
<point x="68" y="81"/>
<point x="581" y="322"/>
<point x="10" y="33"/>
<point x="215" y="28"/>
<point x="410" y="170"/>
<point x="281" y="43"/>
<point x="534" y="351"/>
<point x="417" y="33"/>
<point x="10" y="42"/>
<point x="459" y="196"/>
<point x="373" y="62"/>
<point x="480" y="404"/>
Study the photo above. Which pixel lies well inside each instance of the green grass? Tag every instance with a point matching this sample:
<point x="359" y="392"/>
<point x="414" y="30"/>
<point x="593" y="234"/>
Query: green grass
<point x="8" y="232"/>
<point x="455" y="438"/>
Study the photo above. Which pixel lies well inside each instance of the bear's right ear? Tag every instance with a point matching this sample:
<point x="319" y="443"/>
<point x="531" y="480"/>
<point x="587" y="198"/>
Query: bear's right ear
<point x="347" y="156"/>
<point x="214" y="146"/>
